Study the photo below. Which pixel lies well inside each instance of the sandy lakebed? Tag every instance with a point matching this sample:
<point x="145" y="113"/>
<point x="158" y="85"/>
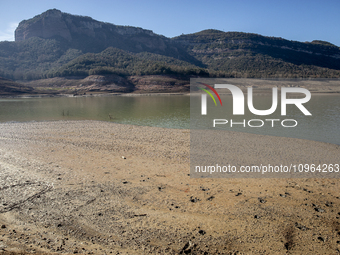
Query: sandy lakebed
<point x="94" y="187"/>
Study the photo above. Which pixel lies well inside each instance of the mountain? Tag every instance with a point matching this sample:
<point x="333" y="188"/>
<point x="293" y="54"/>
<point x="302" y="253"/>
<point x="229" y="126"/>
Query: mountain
<point x="89" y="35"/>
<point x="253" y="54"/>
<point x="56" y="44"/>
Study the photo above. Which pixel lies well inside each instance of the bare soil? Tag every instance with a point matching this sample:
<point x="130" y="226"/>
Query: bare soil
<point x="93" y="187"/>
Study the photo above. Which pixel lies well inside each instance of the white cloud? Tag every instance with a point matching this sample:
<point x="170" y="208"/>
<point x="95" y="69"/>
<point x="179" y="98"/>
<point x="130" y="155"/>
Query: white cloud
<point x="8" y="33"/>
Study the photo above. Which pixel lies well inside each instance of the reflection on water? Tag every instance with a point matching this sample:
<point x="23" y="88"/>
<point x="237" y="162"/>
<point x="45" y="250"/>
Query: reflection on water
<point x="174" y="112"/>
<point x="162" y="111"/>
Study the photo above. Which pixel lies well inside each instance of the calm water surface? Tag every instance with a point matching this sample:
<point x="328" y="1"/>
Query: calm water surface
<point x="174" y="112"/>
<point x="160" y="111"/>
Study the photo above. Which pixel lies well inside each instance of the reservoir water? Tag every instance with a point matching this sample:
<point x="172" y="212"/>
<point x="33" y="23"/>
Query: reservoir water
<point x="159" y="111"/>
<point x="173" y="111"/>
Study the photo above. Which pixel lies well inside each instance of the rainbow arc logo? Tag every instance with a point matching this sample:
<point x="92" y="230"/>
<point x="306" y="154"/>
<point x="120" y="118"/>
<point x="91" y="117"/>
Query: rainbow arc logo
<point x="204" y="97"/>
<point x="208" y="92"/>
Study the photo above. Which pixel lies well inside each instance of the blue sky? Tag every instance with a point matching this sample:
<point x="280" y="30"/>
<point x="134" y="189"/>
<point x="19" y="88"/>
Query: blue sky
<point x="293" y="20"/>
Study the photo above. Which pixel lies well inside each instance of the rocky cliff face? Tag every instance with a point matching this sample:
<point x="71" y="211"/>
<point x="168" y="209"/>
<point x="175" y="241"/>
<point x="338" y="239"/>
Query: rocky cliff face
<point x="46" y="25"/>
<point x="90" y="35"/>
<point x="54" y="23"/>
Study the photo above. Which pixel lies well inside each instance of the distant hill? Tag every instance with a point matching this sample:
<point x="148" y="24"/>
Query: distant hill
<point x="255" y="55"/>
<point x="57" y="44"/>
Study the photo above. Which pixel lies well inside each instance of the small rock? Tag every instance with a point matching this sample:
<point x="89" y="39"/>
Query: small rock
<point x="261" y="200"/>
<point x="301" y="227"/>
<point x="187" y="248"/>
<point x="123" y="157"/>
<point x="282" y="195"/>
<point x="210" y="198"/>
<point x="194" y="200"/>
<point x="3" y="226"/>
<point x="125" y="182"/>
<point x="256" y="217"/>
<point x="319" y="209"/>
<point x="202" y="232"/>
<point x="321" y="239"/>
<point x="238" y="194"/>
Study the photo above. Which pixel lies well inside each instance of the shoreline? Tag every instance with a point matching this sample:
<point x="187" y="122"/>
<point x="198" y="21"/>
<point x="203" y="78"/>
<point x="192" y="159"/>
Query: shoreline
<point x="94" y="95"/>
<point x="256" y="92"/>
<point x="99" y="187"/>
<point x="184" y="129"/>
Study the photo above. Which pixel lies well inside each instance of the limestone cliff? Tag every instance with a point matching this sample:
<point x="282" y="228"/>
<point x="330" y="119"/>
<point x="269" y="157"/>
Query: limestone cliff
<point x="47" y="25"/>
<point x="91" y="35"/>
<point x="54" y="23"/>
